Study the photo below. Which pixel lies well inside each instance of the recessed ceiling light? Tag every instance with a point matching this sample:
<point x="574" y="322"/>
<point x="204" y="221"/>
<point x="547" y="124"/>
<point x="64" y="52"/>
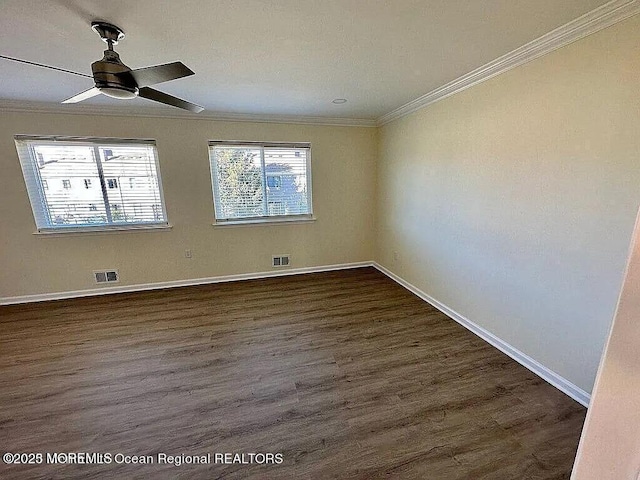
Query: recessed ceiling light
<point x="339" y="101"/>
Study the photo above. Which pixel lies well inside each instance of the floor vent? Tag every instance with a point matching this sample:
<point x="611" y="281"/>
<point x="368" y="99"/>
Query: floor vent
<point x="280" y="261"/>
<point x="106" y="276"/>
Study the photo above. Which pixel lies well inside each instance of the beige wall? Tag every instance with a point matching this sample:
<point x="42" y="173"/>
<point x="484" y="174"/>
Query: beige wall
<point x="610" y="444"/>
<point x="513" y="202"/>
<point x="343" y="166"/>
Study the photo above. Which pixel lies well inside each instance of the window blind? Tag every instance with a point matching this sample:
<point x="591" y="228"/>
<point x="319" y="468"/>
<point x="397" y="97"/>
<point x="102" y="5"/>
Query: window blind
<point x="260" y="181"/>
<point x="85" y="182"/>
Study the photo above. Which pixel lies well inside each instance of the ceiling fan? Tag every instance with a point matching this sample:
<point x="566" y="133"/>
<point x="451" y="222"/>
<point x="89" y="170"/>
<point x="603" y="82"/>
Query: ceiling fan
<point x="114" y="79"/>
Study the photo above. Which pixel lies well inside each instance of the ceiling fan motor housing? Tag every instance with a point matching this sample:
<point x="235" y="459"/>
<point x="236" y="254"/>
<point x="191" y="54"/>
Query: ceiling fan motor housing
<point x="109" y="75"/>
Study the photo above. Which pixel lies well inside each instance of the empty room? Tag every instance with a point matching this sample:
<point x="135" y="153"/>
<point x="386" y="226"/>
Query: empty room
<point x="328" y="239"/>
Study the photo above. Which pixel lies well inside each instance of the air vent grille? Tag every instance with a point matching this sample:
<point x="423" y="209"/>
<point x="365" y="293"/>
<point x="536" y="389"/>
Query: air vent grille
<point x="106" y="276"/>
<point x="280" y="260"/>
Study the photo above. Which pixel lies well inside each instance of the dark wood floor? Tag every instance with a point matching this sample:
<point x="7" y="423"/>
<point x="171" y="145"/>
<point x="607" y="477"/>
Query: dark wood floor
<point x="346" y="374"/>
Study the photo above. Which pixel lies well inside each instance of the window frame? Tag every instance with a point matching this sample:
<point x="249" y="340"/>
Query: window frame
<point x="37" y="197"/>
<point x="262" y="219"/>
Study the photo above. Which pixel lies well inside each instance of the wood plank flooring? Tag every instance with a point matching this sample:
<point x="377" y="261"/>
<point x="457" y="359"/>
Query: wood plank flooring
<point x="347" y="374"/>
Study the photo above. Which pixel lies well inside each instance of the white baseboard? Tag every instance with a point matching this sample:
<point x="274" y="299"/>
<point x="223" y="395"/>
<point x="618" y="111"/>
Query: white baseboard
<point x="177" y="283"/>
<point x="536" y="367"/>
<point x="550" y="376"/>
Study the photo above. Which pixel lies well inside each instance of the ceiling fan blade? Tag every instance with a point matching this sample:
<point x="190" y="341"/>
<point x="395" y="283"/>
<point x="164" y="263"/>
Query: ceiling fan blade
<point x="158" y="74"/>
<point x="45" y="66"/>
<point x="92" y="92"/>
<point x="157" y="96"/>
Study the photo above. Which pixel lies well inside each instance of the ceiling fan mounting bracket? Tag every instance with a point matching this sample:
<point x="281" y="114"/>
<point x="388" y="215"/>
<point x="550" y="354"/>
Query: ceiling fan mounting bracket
<point x="108" y="32"/>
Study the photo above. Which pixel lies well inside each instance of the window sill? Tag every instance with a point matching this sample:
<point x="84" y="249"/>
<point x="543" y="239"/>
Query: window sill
<point x="263" y="222"/>
<point x="64" y="232"/>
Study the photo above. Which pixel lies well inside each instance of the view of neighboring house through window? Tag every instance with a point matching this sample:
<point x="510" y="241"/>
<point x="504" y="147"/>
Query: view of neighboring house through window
<point x="74" y="183"/>
<point x="261" y="181"/>
<point x="273" y="181"/>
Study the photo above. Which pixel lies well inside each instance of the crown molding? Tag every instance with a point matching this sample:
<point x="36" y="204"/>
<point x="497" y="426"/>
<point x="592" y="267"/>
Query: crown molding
<point x="108" y="110"/>
<point x="598" y="19"/>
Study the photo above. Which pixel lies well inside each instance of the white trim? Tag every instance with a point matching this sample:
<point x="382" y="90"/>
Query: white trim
<point x="264" y="222"/>
<point x="526" y="361"/>
<point x="159" y="112"/>
<point x="602" y="17"/>
<point x="534" y="366"/>
<point x="70" y="231"/>
<point x="598" y="19"/>
<point x="176" y="283"/>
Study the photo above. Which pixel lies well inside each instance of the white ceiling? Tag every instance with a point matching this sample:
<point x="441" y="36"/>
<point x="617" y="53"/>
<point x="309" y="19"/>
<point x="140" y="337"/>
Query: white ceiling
<point x="274" y="57"/>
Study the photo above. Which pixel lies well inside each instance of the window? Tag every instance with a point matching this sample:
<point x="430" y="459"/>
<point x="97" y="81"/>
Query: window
<point x="255" y="181"/>
<point x="70" y="204"/>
